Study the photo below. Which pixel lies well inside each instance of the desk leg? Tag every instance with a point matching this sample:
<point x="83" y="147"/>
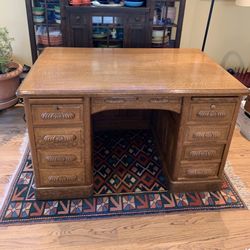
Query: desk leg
<point x="88" y="146"/>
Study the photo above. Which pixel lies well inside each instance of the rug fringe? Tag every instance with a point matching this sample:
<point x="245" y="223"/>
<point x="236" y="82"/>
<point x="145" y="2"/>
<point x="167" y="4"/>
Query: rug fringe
<point x="239" y="185"/>
<point x="23" y="149"/>
<point x="25" y="142"/>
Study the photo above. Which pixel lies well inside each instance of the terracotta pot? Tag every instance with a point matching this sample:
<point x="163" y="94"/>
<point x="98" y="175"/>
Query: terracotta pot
<point x="9" y="82"/>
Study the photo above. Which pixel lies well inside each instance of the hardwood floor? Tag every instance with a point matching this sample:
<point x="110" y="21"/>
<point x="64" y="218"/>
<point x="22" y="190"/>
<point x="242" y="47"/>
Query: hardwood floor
<point x="202" y="230"/>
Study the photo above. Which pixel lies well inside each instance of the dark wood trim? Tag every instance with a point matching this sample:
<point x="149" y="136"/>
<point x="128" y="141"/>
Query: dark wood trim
<point x="180" y="23"/>
<point x="31" y="30"/>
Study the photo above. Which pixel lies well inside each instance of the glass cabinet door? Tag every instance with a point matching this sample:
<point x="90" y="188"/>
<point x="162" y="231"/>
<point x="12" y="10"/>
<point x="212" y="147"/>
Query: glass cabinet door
<point x="167" y="21"/>
<point x="107" y="31"/>
<point x="47" y="23"/>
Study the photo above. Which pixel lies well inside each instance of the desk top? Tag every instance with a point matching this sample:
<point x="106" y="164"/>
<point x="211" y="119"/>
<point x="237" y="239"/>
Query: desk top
<point x="95" y="71"/>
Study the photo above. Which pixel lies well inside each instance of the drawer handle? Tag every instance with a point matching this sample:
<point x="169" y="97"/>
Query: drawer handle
<point x="213" y="106"/>
<point x="206" y="135"/>
<point x="59" y="139"/>
<point x="115" y="100"/>
<point x="159" y="100"/>
<point x="199" y="172"/>
<point x="61" y="158"/>
<point x="207" y="154"/>
<point x="57" y="116"/>
<point x="61" y="179"/>
<point x="215" y="114"/>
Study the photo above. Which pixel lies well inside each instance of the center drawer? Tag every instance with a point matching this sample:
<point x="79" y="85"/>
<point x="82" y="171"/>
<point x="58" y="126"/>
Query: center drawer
<point x="136" y="102"/>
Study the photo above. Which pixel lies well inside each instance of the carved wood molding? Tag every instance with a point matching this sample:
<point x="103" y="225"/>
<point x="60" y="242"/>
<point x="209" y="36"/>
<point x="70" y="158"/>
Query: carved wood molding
<point x="58" y="140"/>
<point x="62" y="179"/>
<point x="212" y="113"/>
<point x="61" y="158"/>
<point x="202" y="154"/>
<point x="57" y="115"/>
<point x="206" y="135"/>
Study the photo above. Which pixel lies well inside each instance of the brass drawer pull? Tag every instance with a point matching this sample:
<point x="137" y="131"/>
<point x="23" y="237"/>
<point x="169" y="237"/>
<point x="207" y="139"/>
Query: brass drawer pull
<point x="159" y="100"/>
<point x="58" y="139"/>
<point x="218" y="114"/>
<point x="57" y="116"/>
<point x="206" y="135"/>
<point x="61" y="179"/>
<point x="199" y="172"/>
<point x="61" y="158"/>
<point x="115" y="100"/>
<point x="208" y="154"/>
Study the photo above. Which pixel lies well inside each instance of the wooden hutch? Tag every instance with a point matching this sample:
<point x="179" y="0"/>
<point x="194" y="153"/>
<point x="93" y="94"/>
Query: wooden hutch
<point x="157" y="23"/>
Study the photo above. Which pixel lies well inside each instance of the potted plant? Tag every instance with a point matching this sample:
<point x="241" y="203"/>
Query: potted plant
<point x="9" y="72"/>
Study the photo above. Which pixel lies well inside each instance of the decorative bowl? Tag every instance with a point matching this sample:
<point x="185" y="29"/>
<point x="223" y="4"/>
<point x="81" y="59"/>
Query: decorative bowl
<point x="133" y="4"/>
<point x="38" y="11"/>
<point x="160" y="41"/>
<point x="157" y="33"/>
<point x="54" y="39"/>
<point x="38" y="19"/>
<point x="99" y="35"/>
<point x="57" y="9"/>
<point x="57" y="16"/>
<point x="79" y="2"/>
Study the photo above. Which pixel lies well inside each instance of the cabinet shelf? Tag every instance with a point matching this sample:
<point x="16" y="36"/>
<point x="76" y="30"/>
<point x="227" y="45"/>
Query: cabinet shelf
<point x="48" y="24"/>
<point x="106" y="39"/>
<point x="107" y="26"/>
<point x="133" y="26"/>
<point x="122" y="9"/>
<point x="164" y="26"/>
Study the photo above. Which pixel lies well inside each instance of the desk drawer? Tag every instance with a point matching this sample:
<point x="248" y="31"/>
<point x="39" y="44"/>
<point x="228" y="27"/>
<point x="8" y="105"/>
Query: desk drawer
<point x="57" y="114"/>
<point x="203" y="153"/>
<point x="136" y="102"/>
<point x="62" y="177"/>
<point x="212" y="109"/>
<point x="202" y="171"/>
<point x="58" y="137"/>
<point x="60" y="158"/>
<point x="203" y="133"/>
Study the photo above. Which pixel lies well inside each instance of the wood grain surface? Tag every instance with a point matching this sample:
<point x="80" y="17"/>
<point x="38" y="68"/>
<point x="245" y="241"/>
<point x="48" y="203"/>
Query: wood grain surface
<point x="227" y="229"/>
<point x="96" y="71"/>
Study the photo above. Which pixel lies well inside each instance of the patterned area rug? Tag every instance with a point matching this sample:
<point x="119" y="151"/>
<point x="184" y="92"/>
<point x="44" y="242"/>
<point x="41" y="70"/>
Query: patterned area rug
<point x="128" y="180"/>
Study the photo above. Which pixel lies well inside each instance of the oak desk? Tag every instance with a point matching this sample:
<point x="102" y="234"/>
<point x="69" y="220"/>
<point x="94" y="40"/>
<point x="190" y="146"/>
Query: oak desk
<point x="192" y="100"/>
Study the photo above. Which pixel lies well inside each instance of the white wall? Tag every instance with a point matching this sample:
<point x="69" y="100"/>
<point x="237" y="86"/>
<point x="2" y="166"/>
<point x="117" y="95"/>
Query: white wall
<point x="228" y="40"/>
<point x="13" y="17"/>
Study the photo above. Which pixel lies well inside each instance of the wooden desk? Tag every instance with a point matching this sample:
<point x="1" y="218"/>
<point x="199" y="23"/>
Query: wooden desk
<point x="193" y="102"/>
